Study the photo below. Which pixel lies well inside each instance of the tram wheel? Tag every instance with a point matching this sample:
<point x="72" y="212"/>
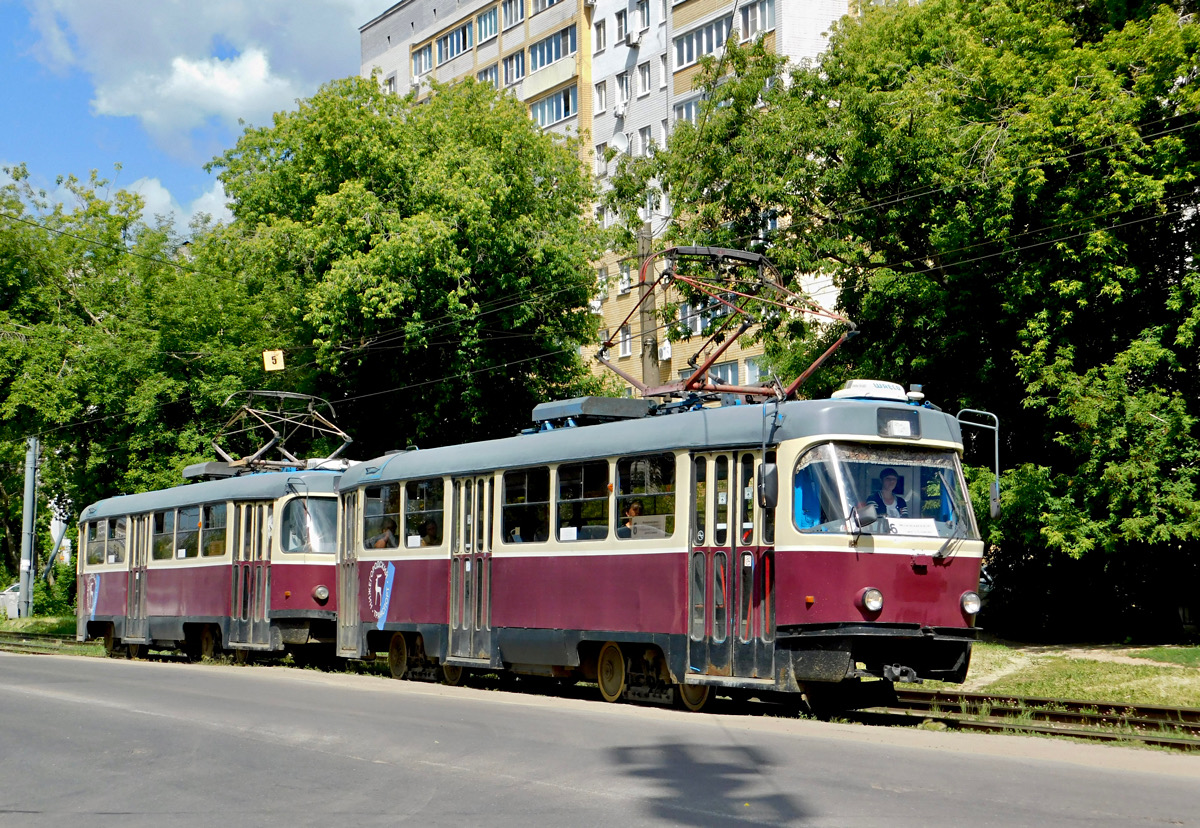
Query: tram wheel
<point x="398" y="656"/>
<point x="610" y="672"/>
<point x="242" y="656"/>
<point x="112" y="646"/>
<point x="694" y="697"/>
<point x="210" y="642"/>
<point x="137" y="651"/>
<point x="453" y="675"/>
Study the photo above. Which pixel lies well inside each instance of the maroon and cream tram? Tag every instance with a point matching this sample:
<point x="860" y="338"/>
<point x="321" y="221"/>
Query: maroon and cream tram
<point x="244" y="563"/>
<point x="667" y="555"/>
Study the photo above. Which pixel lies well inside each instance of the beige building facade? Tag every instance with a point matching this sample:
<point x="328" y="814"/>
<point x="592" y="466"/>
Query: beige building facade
<point x="619" y="73"/>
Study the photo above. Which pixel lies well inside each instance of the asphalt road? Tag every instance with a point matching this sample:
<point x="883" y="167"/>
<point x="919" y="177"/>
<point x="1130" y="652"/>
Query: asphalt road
<point x="95" y="742"/>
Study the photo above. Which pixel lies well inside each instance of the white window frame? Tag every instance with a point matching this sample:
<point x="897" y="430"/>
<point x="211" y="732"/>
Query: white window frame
<point x="625" y="280"/>
<point x="644" y="137"/>
<point x="558" y="46"/>
<point x="490" y="75"/>
<point x="514" y="67"/>
<point x="508" y="8"/>
<point x="662" y="69"/>
<point x="623" y="88"/>
<point x="599" y="37"/>
<point x="601" y="160"/>
<point x="542" y="5"/>
<point x="487" y="25"/>
<point x="626" y="346"/>
<point x="757" y="18"/>
<point x="621" y="26"/>
<point x="600" y="97"/>
<point x="562" y="105"/>
<point x="643" y="10"/>
<point x="455" y="43"/>
<point x="422" y="60"/>
<point x="643" y="71"/>
<point x="706" y="39"/>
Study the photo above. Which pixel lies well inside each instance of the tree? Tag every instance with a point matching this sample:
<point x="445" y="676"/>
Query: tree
<point x="442" y="248"/>
<point x="1004" y="195"/>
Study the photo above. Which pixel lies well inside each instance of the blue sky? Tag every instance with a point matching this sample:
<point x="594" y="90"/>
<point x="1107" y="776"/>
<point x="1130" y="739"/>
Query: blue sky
<point x="158" y="86"/>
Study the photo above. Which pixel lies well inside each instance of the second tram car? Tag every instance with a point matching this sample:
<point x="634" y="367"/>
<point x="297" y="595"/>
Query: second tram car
<point x="781" y="547"/>
<point x="244" y="563"/>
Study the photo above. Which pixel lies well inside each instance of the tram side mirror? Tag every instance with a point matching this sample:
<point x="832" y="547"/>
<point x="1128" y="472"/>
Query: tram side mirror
<point x="994" y="507"/>
<point x="866" y="514"/>
<point x="768" y="486"/>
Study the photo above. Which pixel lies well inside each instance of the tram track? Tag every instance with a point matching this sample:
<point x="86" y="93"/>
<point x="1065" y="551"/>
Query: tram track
<point x="1176" y="728"/>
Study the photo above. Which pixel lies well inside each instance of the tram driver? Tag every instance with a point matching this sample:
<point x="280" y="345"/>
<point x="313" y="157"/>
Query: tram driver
<point x="886" y="501"/>
<point x="386" y="539"/>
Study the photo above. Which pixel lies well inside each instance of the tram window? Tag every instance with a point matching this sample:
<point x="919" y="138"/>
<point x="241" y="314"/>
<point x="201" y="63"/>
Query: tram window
<point x="213" y="531"/>
<point x="164" y="535"/>
<point x="187" y="539"/>
<point x="720" y="593"/>
<point x="746" y="597"/>
<point x="722" y="504"/>
<point x="115" y="548"/>
<point x="699" y="495"/>
<point x="583" y="501"/>
<point x="309" y="526"/>
<point x="526" y="516"/>
<point x="816" y="503"/>
<point x="349" y="519"/>
<point x="766" y="592"/>
<point x="95" y="542"/>
<point x="698" y="603"/>
<point x="768" y="514"/>
<point x="424" y="512"/>
<point x="746" y="501"/>
<point x="646" y="496"/>
<point x="381" y="517"/>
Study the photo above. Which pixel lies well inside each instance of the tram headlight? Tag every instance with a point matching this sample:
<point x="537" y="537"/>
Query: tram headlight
<point x="971" y="602"/>
<point x="321" y="593"/>
<point x="870" y="599"/>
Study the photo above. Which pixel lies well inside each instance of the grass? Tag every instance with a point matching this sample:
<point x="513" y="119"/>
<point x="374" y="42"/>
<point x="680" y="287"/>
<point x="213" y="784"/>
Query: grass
<point x="47" y="625"/>
<point x="1187" y="656"/>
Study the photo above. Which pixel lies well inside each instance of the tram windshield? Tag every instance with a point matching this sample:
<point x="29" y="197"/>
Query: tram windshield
<point x="915" y="491"/>
<point x="310" y="525"/>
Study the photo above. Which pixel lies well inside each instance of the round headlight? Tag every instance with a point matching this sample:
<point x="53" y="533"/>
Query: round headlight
<point x="971" y="603"/>
<point x="871" y="599"/>
<point x="321" y="593"/>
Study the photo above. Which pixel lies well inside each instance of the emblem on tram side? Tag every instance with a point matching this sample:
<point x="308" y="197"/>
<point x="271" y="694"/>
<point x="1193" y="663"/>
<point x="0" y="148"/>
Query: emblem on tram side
<point x="91" y="588"/>
<point x="378" y="592"/>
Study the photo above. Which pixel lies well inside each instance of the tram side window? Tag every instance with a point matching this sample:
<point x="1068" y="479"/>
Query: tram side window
<point x="213" y="530"/>
<point x="187" y="539"/>
<point x="115" y="549"/>
<point x="768" y="514"/>
<point x="817" y="506"/>
<point x="381" y="517"/>
<point x="583" y="501"/>
<point x="646" y="496"/>
<point x="95" y="541"/>
<point x="424" y="515"/>
<point x="526" y="505"/>
<point x="164" y="535"/>
<point x="309" y="525"/>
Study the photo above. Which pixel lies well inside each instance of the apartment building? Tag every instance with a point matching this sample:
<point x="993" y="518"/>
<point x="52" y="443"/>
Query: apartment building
<point x="618" y="72"/>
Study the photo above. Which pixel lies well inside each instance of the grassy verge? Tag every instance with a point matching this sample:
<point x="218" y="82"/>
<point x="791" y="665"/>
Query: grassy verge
<point x="49" y="625"/>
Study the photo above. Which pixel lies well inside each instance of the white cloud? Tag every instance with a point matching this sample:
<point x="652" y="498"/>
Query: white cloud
<point x="214" y="203"/>
<point x="159" y="202"/>
<point x="180" y="68"/>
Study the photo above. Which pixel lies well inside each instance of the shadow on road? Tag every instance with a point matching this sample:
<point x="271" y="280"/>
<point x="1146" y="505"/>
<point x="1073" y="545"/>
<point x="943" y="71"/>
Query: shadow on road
<point x="708" y="785"/>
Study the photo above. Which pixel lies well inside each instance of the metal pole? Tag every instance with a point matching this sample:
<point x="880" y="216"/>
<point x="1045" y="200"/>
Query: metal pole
<point x="25" y="596"/>
<point x="648" y="321"/>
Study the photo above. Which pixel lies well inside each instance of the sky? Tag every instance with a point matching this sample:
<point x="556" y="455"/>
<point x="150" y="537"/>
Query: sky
<point x="158" y="86"/>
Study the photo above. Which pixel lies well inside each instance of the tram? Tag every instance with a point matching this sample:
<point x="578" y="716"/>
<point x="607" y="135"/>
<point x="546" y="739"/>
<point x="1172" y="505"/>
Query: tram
<point x="668" y="556"/>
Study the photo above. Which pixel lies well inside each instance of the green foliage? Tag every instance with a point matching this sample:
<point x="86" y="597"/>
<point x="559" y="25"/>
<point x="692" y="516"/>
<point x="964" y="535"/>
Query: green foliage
<point x="442" y="249"/>
<point x="1003" y="194"/>
<point x="56" y="597"/>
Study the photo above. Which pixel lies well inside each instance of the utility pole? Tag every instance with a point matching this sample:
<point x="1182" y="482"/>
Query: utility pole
<point x="647" y="317"/>
<point x="25" y="596"/>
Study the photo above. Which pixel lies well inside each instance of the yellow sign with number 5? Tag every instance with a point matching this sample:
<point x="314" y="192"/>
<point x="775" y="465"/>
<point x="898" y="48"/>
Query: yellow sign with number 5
<point x="273" y="360"/>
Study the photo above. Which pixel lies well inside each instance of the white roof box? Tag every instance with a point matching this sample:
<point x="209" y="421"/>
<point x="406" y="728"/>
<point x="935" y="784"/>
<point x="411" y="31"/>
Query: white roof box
<point x="863" y="389"/>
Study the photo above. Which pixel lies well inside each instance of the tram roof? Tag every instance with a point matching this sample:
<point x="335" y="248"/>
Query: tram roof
<point x="708" y="428"/>
<point x="259" y="486"/>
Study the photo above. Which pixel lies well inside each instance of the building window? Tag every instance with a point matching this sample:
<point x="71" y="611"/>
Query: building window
<point x="389" y="85"/>
<point x="704" y="40"/>
<point x="620" y="26"/>
<point x="643" y="10"/>
<point x="601" y="161"/>
<point x="623" y="88"/>
<point x="692" y="318"/>
<point x="623" y="283"/>
<point x="556" y="107"/>
<point x="490" y="75"/>
<point x="752" y="375"/>
<point x="513" y="11"/>
<point x="423" y="60"/>
<point x="666" y="131"/>
<point x="626" y="341"/>
<point x="601" y="42"/>
<point x="687" y="111"/>
<point x="643" y="141"/>
<point x="662" y="71"/>
<point x="450" y="46"/>
<point x="602" y="284"/>
<point x="486" y="24"/>
<point x="651" y="204"/>
<point x="514" y="68"/>
<point x="757" y="18"/>
<point x="600" y="99"/>
<point x="644" y="79"/>
<point x="542" y="5"/>
<point x="553" y="48"/>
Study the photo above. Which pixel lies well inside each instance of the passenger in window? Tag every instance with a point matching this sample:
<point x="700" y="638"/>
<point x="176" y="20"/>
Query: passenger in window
<point x="886" y="501"/>
<point x="429" y="534"/>
<point x="387" y="538"/>
<point x="633" y="510"/>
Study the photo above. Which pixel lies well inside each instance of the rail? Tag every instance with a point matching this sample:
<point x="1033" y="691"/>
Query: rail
<point x="42" y="643"/>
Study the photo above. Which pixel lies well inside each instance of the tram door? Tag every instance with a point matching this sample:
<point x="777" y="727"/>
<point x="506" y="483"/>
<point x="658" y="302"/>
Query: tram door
<point x="136" y="625"/>
<point x="347" y="581"/>
<point x="731" y="578"/>
<point x="249" y="622"/>
<point x="471" y="569"/>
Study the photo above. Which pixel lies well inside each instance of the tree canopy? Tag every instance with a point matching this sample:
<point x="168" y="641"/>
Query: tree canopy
<point x="1004" y="195"/>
